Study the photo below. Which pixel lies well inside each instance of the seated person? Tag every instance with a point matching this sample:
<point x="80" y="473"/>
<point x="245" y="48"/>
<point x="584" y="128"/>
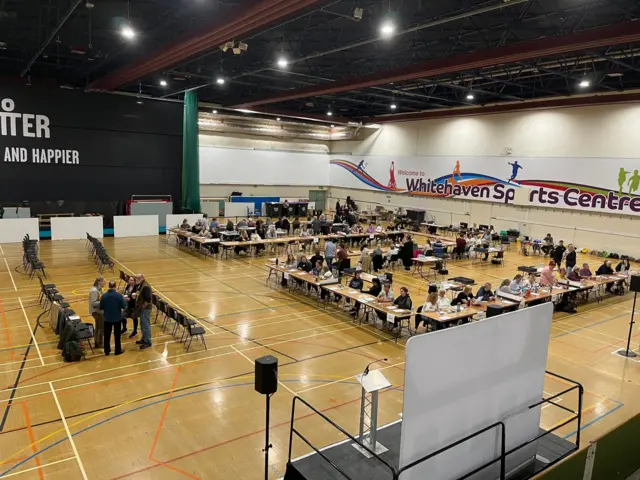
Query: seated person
<point x="185" y="225"/>
<point x="547" y="278"/>
<point x="317" y="257"/>
<point x="256" y="238"/>
<point x="516" y="285"/>
<point x="465" y="297"/>
<point x="308" y="232"/>
<point x="531" y="281"/>
<point x="379" y="228"/>
<point x="485" y="294"/>
<point x="585" y="272"/>
<point x="271" y="232"/>
<point x="278" y="223"/>
<point x="624" y="265"/>
<point x="505" y="286"/>
<point x="461" y="245"/>
<point x="289" y="263"/>
<point x="229" y="226"/>
<point x="296" y="224"/>
<point x="547" y="244"/>
<point x="242" y="223"/>
<point x="305" y="264"/>
<point x="250" y="222"/>
<point x="325" y="274"/>
<point x="286" y="225"/>
<point x="605" y="268"/>
<point x="443" y="301"/>
<point x="574" y="274"/>
<point x="371" y="229"/>
<point x="213" y="223"/>
<point x="374" y="290"/>
<point x="404" y="302"/>
<point x="243" y="238"/>
<point x="562" y="273"/>
<point x="356" y="283"/>
<point x="385" y="297"/>
<point x="430" y="305"/>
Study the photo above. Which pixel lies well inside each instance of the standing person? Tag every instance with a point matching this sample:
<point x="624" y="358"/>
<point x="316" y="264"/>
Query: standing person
<point x="94" y="307"/>
<point x="571" y="257"/>
<point x="329" y="251"/>
<point x="406" y="253"/>
<point x="547" y="278"/>
<point x="343" y="256"/>
<point x="558" y="253"/>
<point x="143" y="309"/>
<point x="112" y="304"/>
<point x="129" y="296"/>
<point x="486" y="243"/>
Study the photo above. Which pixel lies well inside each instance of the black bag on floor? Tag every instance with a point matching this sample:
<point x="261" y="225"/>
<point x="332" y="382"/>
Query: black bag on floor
<point x="72" y="352"/>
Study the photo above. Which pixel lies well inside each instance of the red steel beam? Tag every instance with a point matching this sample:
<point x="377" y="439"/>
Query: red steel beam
<point x="541" y="104"/>
<point x="627" y="32"/>
<point x="261" y="15"/>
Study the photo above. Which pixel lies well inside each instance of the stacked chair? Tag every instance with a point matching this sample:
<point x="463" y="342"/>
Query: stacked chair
<point x="100" y="255"/>
<point x="30" y="260"/>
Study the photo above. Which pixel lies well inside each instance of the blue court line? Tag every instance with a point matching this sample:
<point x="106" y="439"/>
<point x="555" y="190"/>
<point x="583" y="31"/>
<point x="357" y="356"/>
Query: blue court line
<point x="22" y="462"/>
<point x="589" y="326"/>
<point x="597" y="419"/>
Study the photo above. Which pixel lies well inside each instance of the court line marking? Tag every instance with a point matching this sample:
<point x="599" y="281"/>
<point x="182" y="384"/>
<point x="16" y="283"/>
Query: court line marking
<point x="10" y="275"/>
<point x="252" y="363"/>
<point x="66" y="427"/>
<point x="305" y="390"/>
<point x="1" y="250"/>
<point x="40" y="467"/>
<point x="33" y="337"/>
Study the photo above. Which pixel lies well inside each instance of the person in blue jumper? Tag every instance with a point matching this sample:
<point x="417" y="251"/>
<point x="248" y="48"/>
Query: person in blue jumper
<point x="112" y="304"/>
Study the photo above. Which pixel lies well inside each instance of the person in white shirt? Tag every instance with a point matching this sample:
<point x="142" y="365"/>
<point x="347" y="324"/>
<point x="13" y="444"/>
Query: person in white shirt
<point x="430" y="305"/>
<point x="379" y="229"/>
<point x="505" y="286"/>
<point x="443" y="301"/>
<point x="271" y="232"/>
<point x="516" y="284"/>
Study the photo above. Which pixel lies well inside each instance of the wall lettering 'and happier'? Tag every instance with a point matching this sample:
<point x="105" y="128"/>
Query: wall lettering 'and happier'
<point x="29" y="125"/>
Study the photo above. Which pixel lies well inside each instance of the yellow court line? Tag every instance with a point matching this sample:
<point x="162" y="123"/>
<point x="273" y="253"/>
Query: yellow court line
<point x="10" y="275"/>
<point x="66" y="428"/>
<point x="344" y="379"/>
<point x="37" y="468"/>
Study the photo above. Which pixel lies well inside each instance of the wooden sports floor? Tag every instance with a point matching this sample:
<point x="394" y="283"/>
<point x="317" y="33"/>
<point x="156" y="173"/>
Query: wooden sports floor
<point x="167" y="414"/>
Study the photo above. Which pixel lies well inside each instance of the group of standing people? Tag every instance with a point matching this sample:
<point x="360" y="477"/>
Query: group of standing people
<point x="112" y="309"/>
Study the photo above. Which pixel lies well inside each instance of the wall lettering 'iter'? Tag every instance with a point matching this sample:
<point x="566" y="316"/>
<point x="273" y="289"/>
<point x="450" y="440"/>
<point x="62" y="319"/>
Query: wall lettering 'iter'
<point x="29" y="125"/>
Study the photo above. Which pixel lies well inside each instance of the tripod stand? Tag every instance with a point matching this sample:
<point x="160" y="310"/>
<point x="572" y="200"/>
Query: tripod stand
<point x="628" y="352"/>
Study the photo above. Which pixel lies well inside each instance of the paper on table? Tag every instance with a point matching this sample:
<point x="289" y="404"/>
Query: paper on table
<point x="286" y="276"/>
<point x="444" y="317"/>
<point x="390" y="318"/>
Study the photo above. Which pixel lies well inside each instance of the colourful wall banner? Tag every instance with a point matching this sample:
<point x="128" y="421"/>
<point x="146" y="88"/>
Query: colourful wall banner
<point x="593" y="184"/>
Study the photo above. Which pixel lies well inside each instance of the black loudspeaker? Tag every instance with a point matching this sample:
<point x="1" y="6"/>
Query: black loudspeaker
<point x="267" y="375"/>
<point x="493" y="310"/>
<point x="634" y="283"/>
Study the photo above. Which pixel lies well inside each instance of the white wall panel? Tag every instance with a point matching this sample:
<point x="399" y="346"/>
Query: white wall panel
<point x="135" y="225"/>
<point x="73" y="228"/>
<point x="252" y="167"/>
<point x="500" y="373"/>
<point x="13" y="230"/>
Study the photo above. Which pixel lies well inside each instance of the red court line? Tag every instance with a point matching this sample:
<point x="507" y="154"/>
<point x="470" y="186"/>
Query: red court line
<point x="32" y="439"/>
<point x="247" y="435"/>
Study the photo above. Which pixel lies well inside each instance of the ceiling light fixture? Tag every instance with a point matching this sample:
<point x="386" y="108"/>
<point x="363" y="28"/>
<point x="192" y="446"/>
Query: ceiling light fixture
<point x="278" y="119"/>
<point x="163" y="83"/>
<point x="214" y="111"/>
<point x="333" y="126"/>
<point x="393" y="106"/>
<point x="585" y="84"/>
<point x="283" y="63"/>
<point x="128" y="32"/>
<point x="387" y="29"/>
<point x="470" y="96"/>
<point x="329" y="113"/>
<point x="220" y="81"/>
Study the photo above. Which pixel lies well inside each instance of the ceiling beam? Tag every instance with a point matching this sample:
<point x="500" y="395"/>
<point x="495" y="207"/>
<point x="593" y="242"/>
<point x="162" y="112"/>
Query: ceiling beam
<point x="542" y="103"/>
<point x="627" y="32"/>
<point x="264" y="13"/>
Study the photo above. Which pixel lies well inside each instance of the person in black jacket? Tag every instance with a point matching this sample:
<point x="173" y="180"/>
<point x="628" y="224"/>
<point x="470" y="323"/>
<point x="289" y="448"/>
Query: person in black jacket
<point x="571" y="257"/>
<point x="606" y="269"/>
<point x="485" y="293"/>
<point x="286" y="225"/>
<point x="558" y="253"/>
<point x="404" y="302"/>
<point x="129" y="290"/>
<point x="406" y="253"/>
<point x="464" y="297"/>
<point x="317" y="257"/>
<point x="374" y="290"/>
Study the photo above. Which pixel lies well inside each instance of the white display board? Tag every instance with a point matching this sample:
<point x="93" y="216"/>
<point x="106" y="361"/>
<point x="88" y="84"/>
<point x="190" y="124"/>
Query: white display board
<point x="462" y="379"/>
<point x="231" y="166"/>
<point x="176" y="220"/>
<point x="239" y="209"/>
<point x="13" y="230"/>
<point x="135" y="225"/>
<point x="73" y="228"/>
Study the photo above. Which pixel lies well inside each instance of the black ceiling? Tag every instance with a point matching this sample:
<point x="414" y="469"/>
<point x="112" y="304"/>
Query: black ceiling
<point x="327" y="44"/>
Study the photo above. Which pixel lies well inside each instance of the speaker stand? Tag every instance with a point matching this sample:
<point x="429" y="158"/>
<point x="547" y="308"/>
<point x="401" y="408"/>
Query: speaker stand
<point x="628" y="352"/>
<point x="267" y="445"/>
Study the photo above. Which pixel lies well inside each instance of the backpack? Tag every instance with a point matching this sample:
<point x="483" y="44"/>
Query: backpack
<point x="72" y="352"/>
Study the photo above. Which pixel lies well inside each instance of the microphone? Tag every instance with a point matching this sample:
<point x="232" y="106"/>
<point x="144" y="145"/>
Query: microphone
<point x="366" y="370"/>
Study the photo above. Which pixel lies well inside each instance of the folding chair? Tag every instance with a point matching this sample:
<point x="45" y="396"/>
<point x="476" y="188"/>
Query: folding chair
<point x="195" y="331"/>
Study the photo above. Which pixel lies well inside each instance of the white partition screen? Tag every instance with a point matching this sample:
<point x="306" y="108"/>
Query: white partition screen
<point x="72" y="228"/>
<point x="176" y="220"/>
<point x="460" y="380"/>
<point x="13" y="230"/>
<point x="135" y="226"/>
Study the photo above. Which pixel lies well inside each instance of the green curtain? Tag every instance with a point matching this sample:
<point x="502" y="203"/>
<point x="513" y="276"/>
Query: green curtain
<point x="190" y="157"/>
